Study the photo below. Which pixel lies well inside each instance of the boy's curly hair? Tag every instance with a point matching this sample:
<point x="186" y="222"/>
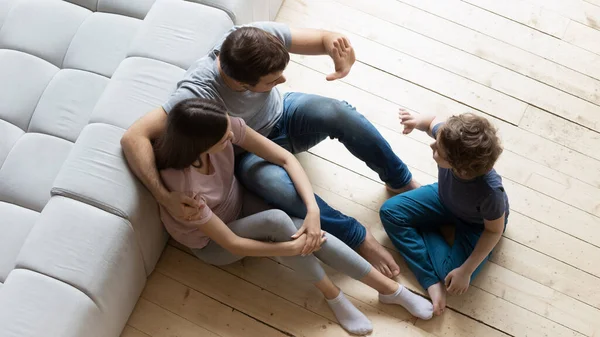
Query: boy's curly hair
<point x="471" y="144"/>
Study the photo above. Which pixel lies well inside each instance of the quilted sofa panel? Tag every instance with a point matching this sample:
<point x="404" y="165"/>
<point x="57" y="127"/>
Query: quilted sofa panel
<point x="34" y="305"/>
<point x="23" y="79"/>
<point x="30" y="169"/>
<point x="133" y="8"/>
<point x="101" y="43"/>
<point x="91" y="250"/>
<point x="175" y="32"/>
<point x="67" y="103"/>
<point x="29" y="28"/>
<point x="138" y="86"/>
<point x="89" y="4"/>
<point x="15" y="226"/>
<point x="9" y="134"/>
<point x="97" y="173"/>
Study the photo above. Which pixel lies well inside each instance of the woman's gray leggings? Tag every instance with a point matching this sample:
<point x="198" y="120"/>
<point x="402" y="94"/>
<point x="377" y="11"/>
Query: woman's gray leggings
<point x="275" y="225"/>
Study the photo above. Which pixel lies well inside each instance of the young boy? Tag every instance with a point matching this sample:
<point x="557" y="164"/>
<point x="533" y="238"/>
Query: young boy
<point x="468" y="196"/>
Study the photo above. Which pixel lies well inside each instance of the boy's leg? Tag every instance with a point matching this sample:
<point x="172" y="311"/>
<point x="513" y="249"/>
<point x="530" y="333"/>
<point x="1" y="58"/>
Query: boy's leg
<point x="446" y="258"/>
<point x="407" y="218"/>
<point x="311" y="118"/>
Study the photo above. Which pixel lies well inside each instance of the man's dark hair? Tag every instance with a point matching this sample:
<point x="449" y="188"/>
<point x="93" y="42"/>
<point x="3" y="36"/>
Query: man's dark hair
<point x="249" y="53"/>
<point x="193" y="126"/>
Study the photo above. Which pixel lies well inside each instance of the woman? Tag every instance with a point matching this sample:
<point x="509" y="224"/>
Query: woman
<point x="195" y="156"/>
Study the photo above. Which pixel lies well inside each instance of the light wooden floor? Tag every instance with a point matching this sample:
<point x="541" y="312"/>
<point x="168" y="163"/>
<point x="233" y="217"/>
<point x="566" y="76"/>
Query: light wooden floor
<point x="532" y="67"/>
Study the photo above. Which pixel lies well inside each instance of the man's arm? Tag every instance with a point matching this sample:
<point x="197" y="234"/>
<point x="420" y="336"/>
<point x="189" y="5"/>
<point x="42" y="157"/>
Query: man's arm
<point x="137" y="146"/>
<point x="322" y="42"/>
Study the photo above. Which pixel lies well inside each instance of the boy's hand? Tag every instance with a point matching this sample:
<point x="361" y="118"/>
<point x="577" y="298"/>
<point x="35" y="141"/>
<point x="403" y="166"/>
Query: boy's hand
<point x="408" y="120"/>
<point x="457" y="281"/>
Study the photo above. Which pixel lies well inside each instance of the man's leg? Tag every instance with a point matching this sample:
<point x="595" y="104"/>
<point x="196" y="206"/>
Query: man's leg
<point x="312" y="118"/>
<point x="273" y="184"/>
<point x="408" y="218"/>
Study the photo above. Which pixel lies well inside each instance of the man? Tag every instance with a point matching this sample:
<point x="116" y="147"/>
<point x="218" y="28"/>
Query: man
<point x="241" y="72"/>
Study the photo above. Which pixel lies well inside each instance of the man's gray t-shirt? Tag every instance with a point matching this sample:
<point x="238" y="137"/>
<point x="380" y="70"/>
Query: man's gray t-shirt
<point x="261" y="111"/>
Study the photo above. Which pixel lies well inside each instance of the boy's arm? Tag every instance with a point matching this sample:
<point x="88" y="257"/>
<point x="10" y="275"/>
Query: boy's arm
<point x="488" y="240"/>
<point x="458" y="280"/>
<point x="421" y="122"/>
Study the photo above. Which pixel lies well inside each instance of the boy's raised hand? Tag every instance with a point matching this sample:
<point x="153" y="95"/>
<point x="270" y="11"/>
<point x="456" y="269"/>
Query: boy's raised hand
<point x="408" y="120"/>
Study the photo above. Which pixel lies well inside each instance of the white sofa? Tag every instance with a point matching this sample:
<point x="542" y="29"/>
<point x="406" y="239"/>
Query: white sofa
<point x="79" y="234"/>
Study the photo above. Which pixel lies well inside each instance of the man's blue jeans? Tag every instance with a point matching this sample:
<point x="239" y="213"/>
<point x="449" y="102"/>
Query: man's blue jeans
<point x="306" y="121"/>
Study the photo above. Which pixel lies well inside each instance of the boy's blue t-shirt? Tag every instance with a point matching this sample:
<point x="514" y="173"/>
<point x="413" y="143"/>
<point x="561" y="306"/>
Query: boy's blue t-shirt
<point x="472" y="200"/>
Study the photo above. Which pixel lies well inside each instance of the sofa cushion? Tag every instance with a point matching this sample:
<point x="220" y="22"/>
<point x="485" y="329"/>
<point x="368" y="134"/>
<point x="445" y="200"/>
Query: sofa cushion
<point x="97" y="173"/>
<point x="93" y="251"/>
<point x="67" y="103"/>
<point x="132" y="8"/>
<point x="5" y="7"/>
<point x="31" y="29"/>
<point x="89" y="4"/>
<point x="101" y="43"/>
<point x="34" y="305"/>
<point x="179" y="32"/>
<point x="138" y="86"/>
<point x="15" y="226"/>
<point x="9" y="134"/>
<point x="30" y="168"/>
<point x="23" y="79"/>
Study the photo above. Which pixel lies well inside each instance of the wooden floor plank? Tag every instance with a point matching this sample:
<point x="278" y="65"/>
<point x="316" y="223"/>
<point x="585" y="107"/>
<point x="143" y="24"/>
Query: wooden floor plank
<point x="517" y="35"/>
<point x="469" y="53"/>
<point x="133" y="332"/>
<point x="155" y="321"/>
<point x="561" y="131"/>
<point x="578" y="10"/>
<point x="472" y="66"/>
<point x="526" y="13"/>
<point x="202" y="310"/>
<point x="583" y="36"/>
<point x="245" y="297"/>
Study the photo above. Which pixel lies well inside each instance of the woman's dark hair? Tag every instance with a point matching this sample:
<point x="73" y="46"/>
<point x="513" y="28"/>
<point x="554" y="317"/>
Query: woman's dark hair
<point x="193" y="126"/>
<point x="249" y="53"/>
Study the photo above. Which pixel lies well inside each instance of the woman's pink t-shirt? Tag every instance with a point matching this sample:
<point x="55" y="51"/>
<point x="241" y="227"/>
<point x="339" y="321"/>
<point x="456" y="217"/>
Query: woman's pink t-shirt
<point x="217" y="193"/>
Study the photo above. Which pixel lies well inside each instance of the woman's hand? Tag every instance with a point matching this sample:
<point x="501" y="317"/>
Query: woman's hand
<point x="299" y="244"/>
<point x="312" y="229"/>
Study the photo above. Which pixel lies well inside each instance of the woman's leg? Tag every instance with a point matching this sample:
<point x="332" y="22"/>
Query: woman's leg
<point x="408" y="218"/>
<point x="339" y="256"/>
<point x="275" y="225"/>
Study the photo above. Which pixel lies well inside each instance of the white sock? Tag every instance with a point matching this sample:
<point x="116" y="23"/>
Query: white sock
<point x="348" y="316"/>
<point x="415" y="304"/>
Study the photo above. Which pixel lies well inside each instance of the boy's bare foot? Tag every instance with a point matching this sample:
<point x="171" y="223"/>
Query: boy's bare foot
<point x="410" y="186"/>
<point x="437" y="292"/>
<point x="378" y="256"/>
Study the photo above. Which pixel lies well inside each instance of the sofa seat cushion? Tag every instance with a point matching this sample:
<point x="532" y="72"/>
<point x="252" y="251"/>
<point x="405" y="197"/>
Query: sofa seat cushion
<point x="28" y="172"/>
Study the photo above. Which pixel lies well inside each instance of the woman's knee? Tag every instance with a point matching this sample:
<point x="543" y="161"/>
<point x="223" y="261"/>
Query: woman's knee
<point x="278" y="224"/>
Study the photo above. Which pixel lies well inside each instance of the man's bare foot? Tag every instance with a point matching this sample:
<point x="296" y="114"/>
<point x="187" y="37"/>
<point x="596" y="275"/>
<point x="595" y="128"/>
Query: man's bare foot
<point x="437" y="292"/>
<point x="410" y="186"/>
<point x="378" y="256"/>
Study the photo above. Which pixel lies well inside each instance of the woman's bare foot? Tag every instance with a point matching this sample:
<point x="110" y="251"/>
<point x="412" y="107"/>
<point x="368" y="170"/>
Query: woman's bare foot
<point x="437" y="292"/>
<point x="378" y="256"/>
<point x="410" y="186"/>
